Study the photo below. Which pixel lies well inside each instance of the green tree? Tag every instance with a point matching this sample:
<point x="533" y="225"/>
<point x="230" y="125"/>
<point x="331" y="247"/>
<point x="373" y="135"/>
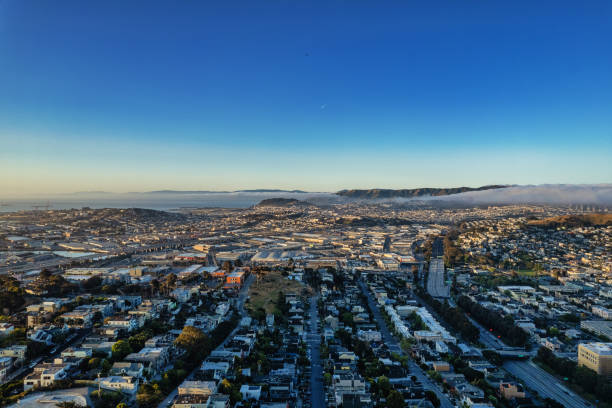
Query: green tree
<point x="395" y="400"/>
<point x="121" y="349"/>
<point x="432" y="397"/>
<point x="328" y="378"/>
<point x="191" y="339"/>
<point x="384" y="385"/>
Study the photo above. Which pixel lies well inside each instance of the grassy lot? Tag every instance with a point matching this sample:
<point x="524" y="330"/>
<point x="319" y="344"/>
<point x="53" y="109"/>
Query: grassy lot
<point x="527" y="272"/>
<point x="263" y="293"/>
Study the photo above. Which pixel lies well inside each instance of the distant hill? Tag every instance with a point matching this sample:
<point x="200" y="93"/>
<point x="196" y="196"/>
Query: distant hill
<point x="263" y="190"/>
<point x="410" y="193"/>
<point x="282" y="202"/>
<point x="222" y="192"/>
<point x="582" y="220"/>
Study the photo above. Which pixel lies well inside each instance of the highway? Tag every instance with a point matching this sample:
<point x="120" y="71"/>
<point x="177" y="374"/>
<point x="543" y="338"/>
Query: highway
<point x="544" y="384"/>
<point x="393" y="344"/>
<point x="488" y="338"/>
<point x="531" y="375"/>
<point x="436" y="286"/>
<point x="314" y="345"/>
<point x="68" y="262"/>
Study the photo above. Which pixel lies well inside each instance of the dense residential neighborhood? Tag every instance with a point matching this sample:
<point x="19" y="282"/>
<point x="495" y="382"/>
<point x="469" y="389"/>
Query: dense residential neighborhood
<point x="350" y="305"/>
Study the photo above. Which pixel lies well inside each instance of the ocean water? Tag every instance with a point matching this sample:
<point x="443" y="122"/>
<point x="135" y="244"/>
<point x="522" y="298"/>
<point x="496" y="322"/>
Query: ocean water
<point x="151" y="201"/>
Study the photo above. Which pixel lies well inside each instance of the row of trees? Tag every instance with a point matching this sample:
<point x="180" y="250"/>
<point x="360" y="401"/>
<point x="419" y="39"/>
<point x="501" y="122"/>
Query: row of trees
<point x="506" y="327"/>
<point x="454" y="316"/>
<point x="453" y="255"/>
<point x="582" y="376"/>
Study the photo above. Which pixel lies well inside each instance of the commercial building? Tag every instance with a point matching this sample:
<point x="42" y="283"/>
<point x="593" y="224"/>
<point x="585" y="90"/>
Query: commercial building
<point x="596" y="356"/>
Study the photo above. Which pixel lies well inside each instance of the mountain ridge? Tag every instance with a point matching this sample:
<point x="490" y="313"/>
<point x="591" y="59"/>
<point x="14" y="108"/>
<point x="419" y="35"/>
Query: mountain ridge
<point x="376" y="193"/>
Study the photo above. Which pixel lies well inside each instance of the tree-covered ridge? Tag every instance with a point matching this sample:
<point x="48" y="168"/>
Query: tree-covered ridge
<point x="375" y="193"/>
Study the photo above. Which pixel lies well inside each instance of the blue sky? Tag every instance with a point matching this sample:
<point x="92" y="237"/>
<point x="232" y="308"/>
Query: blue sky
<point x="135" y="96"/>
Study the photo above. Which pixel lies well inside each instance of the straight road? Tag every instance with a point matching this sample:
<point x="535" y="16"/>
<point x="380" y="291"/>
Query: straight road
<point x="534" y="377"/>
<point x="314" y="345"/>
<point x="436" y="286"/>
<point x="488" y="338"/>
<point x="393" y="344"/>
<point x="544" y="384"/>
<point x="241" y="299"/>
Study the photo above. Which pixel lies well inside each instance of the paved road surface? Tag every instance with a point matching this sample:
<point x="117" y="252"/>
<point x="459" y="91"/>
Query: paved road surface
<point x="487" y="338"/>
<point x="545" y="384"/>
<point x="241" y="298"/>
<point x="436" y="286"/>
<point x="533" y="376"/>
<point x="314" y="344"/>
<point x="393" y="345"/>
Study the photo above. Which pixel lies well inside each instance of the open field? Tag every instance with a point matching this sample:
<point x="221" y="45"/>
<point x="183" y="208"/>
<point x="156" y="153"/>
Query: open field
<point x="527" y="272"/>
<point x="264" y="292"/>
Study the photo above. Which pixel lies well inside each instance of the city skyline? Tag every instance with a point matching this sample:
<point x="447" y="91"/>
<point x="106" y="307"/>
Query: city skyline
<point x="320" y="96"/>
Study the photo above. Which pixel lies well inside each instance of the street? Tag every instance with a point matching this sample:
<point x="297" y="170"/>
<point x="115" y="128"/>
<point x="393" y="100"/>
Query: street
<point x="544" y="384"/>
<point x="314" y="345"/>
<point x="393" y="345"/>
<point x="241" y="298"/>
<point x="436" y="286"/>
<point x="532" y="376"/>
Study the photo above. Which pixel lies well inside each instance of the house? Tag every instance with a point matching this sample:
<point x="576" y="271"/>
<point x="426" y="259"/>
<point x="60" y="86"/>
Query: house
<point x="369" y="335"/>
<point x="182" y="295"/>
<point x="553" y="344"/>
<point x="126" y="384"/>
<point x="470" y="394"/>
<point x="77" y="352"/>
<point x="127" y="369"/>
<point x="250" y="392"/>
<point x="99" y="345"/>
<point x="219" y="401"/>
<point x="347" y="383"/>
<point x="197" y="388"/>
<point x="128" y="323"/>
<point x="6" y="363"/>
<point x="511" y="390"/>
<point x="217" y="369"/>
<point x="154" y="359"/>
<point x="45" y="375"/>
<point x="17" y="352"/>
<point x="440" y="366"/>
<point x="78" y="319"/>
<point x="191" y="401"/>
<point x="41" y="336"/>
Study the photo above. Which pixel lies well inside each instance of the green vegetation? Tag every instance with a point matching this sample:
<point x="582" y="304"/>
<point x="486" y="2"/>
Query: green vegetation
<point x="54" y="285"/>
<point x="190" y="339"/>
<point x="197" y="346"/>
<point x="106" y="398"/>
<point x="375" y="193"/>
<point x="506" y="328"/>
<point x="416" y="323"/>
<point x="11" y="295"/>
<point x="493" y="281"/>
<point x="121" y="349"/>
<point x="263" y="294"/>
<point x="570" y="221"/>
<point x="582" y="378"/>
